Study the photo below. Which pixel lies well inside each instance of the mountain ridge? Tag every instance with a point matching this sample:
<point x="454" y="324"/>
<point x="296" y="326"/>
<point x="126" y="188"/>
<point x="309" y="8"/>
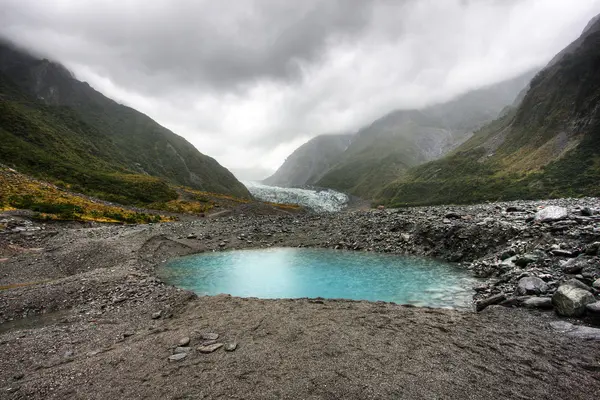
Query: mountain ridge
<point x="121" y="139"/>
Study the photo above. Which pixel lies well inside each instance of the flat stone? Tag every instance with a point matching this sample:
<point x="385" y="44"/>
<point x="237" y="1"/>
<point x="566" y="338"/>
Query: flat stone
<point x="562" y="326"/>
<point x="230" y="346"/>
<point x="209" y="336"/>
<point x="538" y="302"/>
<point x="551" y="213"/>
<point x="179" y="350"/>
<point x="482" y="304"/>
<point x="531" y="285"/>
<point x="184" y="341"/>
<point x="593" y="308"/>
<point x="177" y="357"/>
<point x="571" y="301"/>
<point x="210" y="348"/>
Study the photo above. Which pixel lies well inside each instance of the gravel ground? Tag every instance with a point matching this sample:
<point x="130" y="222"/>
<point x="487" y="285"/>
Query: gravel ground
<point x="99" y="324"/>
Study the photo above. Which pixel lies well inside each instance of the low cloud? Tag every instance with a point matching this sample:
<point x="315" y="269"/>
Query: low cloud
<point x="248" y="81"/>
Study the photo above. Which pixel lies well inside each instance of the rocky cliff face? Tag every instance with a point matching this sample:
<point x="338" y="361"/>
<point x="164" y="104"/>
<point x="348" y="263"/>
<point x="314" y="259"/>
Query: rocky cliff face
<point x="547" y="146"/>
<point x="118" y="135"/>
<point x="383" y="150"/>
<point x="309" y="162"/>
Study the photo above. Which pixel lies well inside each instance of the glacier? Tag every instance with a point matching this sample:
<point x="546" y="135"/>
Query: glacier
<point x="319" y="200"/>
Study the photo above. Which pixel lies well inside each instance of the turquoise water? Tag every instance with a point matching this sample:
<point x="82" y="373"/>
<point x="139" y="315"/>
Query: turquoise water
<point x="294" y="273"/>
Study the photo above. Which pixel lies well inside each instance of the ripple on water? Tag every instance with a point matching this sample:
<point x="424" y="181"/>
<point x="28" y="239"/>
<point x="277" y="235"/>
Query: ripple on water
<point x="295" y="273"/>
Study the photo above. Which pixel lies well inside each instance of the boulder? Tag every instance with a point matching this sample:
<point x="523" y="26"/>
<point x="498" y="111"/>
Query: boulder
<point x="538" y="302"/>
<point x="531" y="285"/>
<point x="570" y="301"/>
<point x="574" y="265"/>
<point x="526" y="259"/>
<point x="482" y="304"/>
<point x="551" y="213"/>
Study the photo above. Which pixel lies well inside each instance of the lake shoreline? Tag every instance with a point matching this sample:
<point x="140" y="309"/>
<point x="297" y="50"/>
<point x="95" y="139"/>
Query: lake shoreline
<point x="122" y="324"/>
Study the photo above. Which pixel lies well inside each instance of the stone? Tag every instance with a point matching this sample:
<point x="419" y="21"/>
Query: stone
<point x="593" y="308"/>
<point x="574" y="266"/>
<point x="570" y="301"/>
<point x="551" y="213"/>
<point x="562" y="326"/>
<point x="561" y="253"/>
<point x="180" y="349"/>
<point x="538" y="302"/>
<point x="482" y="304"/>
<point x="191" y="236"/>
<point x="230" y="346"/>
<point x="587" y="212"/>
<point x="531" y="285"/>
<point x="222" y="244"/>
<point x="596" y="284"/>
<point x="578" y="284"/>
<point x="592" y="249"/>
<point x="184" y="341"/>
<point x="156" y="315"/>
<point x="526" y="259"/>
<point x="209" y="336"/>
<point x="177" y="357"/>
<point x="210" y="348"/>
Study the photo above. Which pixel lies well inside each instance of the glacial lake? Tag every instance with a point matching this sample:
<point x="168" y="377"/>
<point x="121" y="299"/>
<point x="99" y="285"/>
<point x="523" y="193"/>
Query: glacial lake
<point x="334" y="274"/>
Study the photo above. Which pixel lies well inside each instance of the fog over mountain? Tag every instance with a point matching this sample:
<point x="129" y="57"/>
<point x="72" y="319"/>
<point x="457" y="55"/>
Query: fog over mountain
<point x="247" y="82"/>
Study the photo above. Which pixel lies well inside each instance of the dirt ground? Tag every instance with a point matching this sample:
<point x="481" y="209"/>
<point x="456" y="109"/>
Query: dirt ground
<point x="100" y="325"/>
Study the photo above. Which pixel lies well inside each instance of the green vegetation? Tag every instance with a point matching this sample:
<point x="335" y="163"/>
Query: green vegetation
<point x="52" y="203"/>
<point x="61" y="130"/>
<point x="546" y="148"/>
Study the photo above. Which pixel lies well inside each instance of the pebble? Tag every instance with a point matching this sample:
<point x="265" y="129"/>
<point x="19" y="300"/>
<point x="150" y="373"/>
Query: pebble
<point x="156" y="315"/>
<point x="184" y="341"/>
<point x="179" y="350"/>
<point x="230" y="346"/>
<point x="177" y="357"/>
<point x="209" y="336"/>
<point x="210" y="348"/>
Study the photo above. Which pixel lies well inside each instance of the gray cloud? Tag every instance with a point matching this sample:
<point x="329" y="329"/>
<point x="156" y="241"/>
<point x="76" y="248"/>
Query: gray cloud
<point x="247" y="81"/>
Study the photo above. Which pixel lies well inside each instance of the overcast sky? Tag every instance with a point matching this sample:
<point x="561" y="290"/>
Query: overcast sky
<point x="248" y="81"/>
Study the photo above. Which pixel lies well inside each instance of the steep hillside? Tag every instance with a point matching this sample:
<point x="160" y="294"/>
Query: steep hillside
<point x="309" y="162"/>
<point x="549" y="146"/>
<point x="405" y="138"/>
<point x="56" y="127"/>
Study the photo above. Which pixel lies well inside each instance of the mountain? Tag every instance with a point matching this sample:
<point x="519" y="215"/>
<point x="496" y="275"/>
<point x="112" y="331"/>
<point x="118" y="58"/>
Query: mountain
<point x="546" y="146"/>
<point x="382" y="151"/>
<point x="309" y="162"/>
<point x="58" y="128"/>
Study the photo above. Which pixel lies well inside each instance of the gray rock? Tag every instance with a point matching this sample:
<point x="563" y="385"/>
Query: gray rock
<point x="184" y="341"/>
<point x="210" y="348"/>
<point x="587" y="212"/>
<point x="179" y="350"/>
<point x="156" y="315"/>
<point x="230" y="346"/>
<point x="593" y="308"/>
<point x="592" y="249"/>
<point x="574" y="265"/>
<point x="596" y="284"/>
<point x="191" y="236"/>
<point x="561" y="253"/>
<point x="538" y="302"/>
<point x="531" y="285"/>
<point x="578" y="284"/>
<point x="222" y="244"/>
<point x="526" y="259"/>
<point x="177" y="357"/>
<point x="482" y="304"/>
<point x="570" y="301"/>
<point x="551" y="213"/>
<point x="209" y="336"/>
<point x="581" y="332"/>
